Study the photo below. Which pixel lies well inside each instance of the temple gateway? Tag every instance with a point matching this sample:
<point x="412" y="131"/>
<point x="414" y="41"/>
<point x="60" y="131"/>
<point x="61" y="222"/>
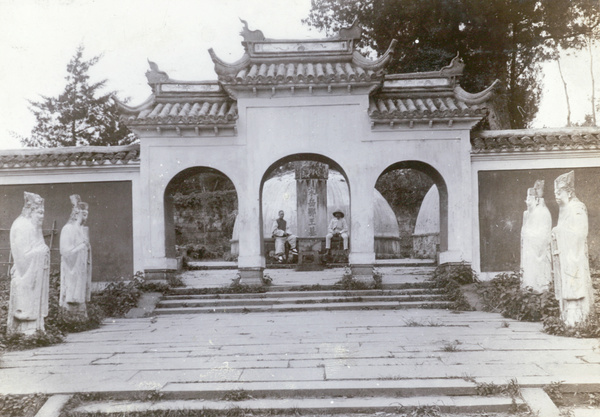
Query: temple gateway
<point x="316" y="100"/>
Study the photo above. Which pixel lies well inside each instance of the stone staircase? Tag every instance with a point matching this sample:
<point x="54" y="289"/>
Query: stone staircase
<point x="291" y="299"/>
<point x="322" y="398"/>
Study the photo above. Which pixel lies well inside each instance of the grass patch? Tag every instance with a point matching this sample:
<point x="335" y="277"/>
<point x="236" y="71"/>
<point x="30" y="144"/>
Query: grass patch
<point x="452" y="346"/>
<point x="21" y="405"/>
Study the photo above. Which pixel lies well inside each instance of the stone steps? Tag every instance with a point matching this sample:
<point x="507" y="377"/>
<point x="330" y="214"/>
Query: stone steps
<point x="415" y="295"/>
<point x="182" y="295"/>
<point x="446" y="395"/>
<point x="348" y="406"/>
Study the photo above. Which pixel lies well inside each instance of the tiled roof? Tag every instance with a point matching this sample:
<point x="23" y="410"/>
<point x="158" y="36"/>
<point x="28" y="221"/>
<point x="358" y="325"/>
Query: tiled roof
<point x="423" y="108"/>
<point x="299" y="72"/>
<point x="70" y="156"/>
<point x="185" y="113"/>
<point x="535" y="140"/>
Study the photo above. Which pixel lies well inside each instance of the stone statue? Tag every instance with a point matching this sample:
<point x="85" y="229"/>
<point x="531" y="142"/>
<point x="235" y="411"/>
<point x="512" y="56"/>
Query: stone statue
<point x="571" y="270"/>
<point x="30" y="273"/>
<point x="536" y="262"/>
<point x="74" y="252"/>
<point x="84" y="207"/>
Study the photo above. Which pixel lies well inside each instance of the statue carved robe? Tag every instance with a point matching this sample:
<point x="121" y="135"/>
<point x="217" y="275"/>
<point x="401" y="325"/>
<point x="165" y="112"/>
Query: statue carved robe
<point x="74" y="266"/>
<point x="572" y="281"/>
<point x="536" y="262"/>
<point x="30" y="273"/>
<point x="571" y="267"/>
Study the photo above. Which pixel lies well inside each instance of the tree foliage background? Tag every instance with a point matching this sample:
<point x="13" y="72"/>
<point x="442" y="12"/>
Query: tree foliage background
<point x="504" y="39"/>
<point x="81" y="115"/>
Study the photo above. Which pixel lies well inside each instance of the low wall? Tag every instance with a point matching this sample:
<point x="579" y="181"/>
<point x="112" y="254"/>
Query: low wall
<point x="109" y="222"/>
<point x="502" y="203"/>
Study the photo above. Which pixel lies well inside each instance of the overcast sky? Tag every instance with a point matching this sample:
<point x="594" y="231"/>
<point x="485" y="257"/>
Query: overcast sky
<point x="38" y="37"/>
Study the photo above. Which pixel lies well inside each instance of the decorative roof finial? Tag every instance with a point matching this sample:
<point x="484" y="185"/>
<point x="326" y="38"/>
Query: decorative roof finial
<point x="354" y="31"/>
<point x="455" y="68"/>
<point x="250" y="35"/>
<point x="154" y="75"/>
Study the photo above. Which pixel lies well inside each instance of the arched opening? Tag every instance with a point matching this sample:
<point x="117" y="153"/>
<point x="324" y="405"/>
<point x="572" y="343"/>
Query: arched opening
<point x="308" y="188"/>
<point x="200" y="208"/>
<point x="417" y="195"/>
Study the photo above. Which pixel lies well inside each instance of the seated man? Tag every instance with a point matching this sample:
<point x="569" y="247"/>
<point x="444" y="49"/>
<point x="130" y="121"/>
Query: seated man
<point x="337" y="227"/>
<point x="282" y="234"/>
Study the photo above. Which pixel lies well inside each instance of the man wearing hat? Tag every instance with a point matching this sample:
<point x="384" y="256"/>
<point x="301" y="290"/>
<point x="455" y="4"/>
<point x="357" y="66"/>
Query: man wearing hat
<point x="571" y="268"/>
<point x="337" y="227"/>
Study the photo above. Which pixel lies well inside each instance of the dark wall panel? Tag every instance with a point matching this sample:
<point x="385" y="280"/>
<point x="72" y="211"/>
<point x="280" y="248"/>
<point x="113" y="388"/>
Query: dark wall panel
<point x="502" y="203"/>
<point x="110" y="222"/>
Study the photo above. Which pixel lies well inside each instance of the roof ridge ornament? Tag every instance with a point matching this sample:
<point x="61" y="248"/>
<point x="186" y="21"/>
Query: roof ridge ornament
<point x="250" y="35"/>
<point x="155" y="75"/>
<point x="455" y="68"/>
<point x="354" y="31"/>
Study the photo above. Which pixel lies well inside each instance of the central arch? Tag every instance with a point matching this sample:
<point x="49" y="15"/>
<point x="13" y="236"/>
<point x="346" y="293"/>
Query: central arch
<point x="283" y="162"/>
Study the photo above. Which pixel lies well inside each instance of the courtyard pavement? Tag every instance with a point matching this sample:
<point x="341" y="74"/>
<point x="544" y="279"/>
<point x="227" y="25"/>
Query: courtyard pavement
<point x="279" y="351"/>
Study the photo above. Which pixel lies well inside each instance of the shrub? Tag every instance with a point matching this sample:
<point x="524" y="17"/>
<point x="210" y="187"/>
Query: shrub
<point x="449" y="278"/>
<point x="504" y="295"/>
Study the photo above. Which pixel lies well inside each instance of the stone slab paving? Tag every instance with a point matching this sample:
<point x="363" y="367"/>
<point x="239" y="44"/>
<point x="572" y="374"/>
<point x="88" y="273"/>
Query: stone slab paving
<point x="540" y="402"/>
<point x="290" y="277"/>
<point x="349" y="350"/>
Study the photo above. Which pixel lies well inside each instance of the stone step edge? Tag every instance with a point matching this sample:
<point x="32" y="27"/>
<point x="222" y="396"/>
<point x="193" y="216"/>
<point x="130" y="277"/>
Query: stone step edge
<point x="445" y="404"/>
<point x="307" y="307"/>
<point x="274" y="288"/>
<point x="306" y="294"/>
<point x="296" y="301"/>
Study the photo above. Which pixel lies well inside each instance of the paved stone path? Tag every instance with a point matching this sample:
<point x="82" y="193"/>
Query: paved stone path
<point x="361" y="358"/>
<point x="300" y="350"/>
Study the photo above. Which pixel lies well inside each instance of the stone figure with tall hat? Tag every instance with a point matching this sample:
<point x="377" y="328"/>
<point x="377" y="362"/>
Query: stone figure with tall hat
<point x="30" y="273"/>
<point x="84" y="208"/>
<point x="536" y="262"/>
<point x="74" y="250"/>
<point x="571" y="270"/>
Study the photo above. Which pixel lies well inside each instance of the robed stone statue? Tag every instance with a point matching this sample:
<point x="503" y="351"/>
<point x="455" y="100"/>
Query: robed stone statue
<point x="571" y="270"/>
<point x="30" y="273"/>
<point x="536" y="263"/>
<point x="75" y="254"/>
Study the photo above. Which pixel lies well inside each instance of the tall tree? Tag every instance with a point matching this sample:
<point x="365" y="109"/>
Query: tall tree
<point x="81" y="115"/>
<point x="504" y="39"/>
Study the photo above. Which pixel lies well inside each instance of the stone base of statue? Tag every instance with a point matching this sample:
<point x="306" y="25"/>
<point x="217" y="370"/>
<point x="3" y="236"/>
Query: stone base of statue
<point x="574" y="312"/>
<point x="26" y="327"/>
<point x="75" y="311"/>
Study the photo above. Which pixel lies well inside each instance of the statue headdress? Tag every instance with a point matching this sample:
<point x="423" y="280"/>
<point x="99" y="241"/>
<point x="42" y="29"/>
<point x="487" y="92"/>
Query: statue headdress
<point x="537" y="190"/>
<point x="83" y="205"/>
<point x="565" y="181"/>
<point x="33" y="201"/>
<point x="75" y="200"/>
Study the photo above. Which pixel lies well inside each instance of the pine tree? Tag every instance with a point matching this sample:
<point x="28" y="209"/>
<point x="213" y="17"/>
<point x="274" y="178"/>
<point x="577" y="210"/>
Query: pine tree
<point x="81" y="115"/>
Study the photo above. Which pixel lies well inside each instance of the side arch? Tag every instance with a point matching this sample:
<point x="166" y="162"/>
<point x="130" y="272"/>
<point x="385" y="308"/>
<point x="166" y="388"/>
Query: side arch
<point x="439" y="181"/>
<point x="174" y="183"/>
